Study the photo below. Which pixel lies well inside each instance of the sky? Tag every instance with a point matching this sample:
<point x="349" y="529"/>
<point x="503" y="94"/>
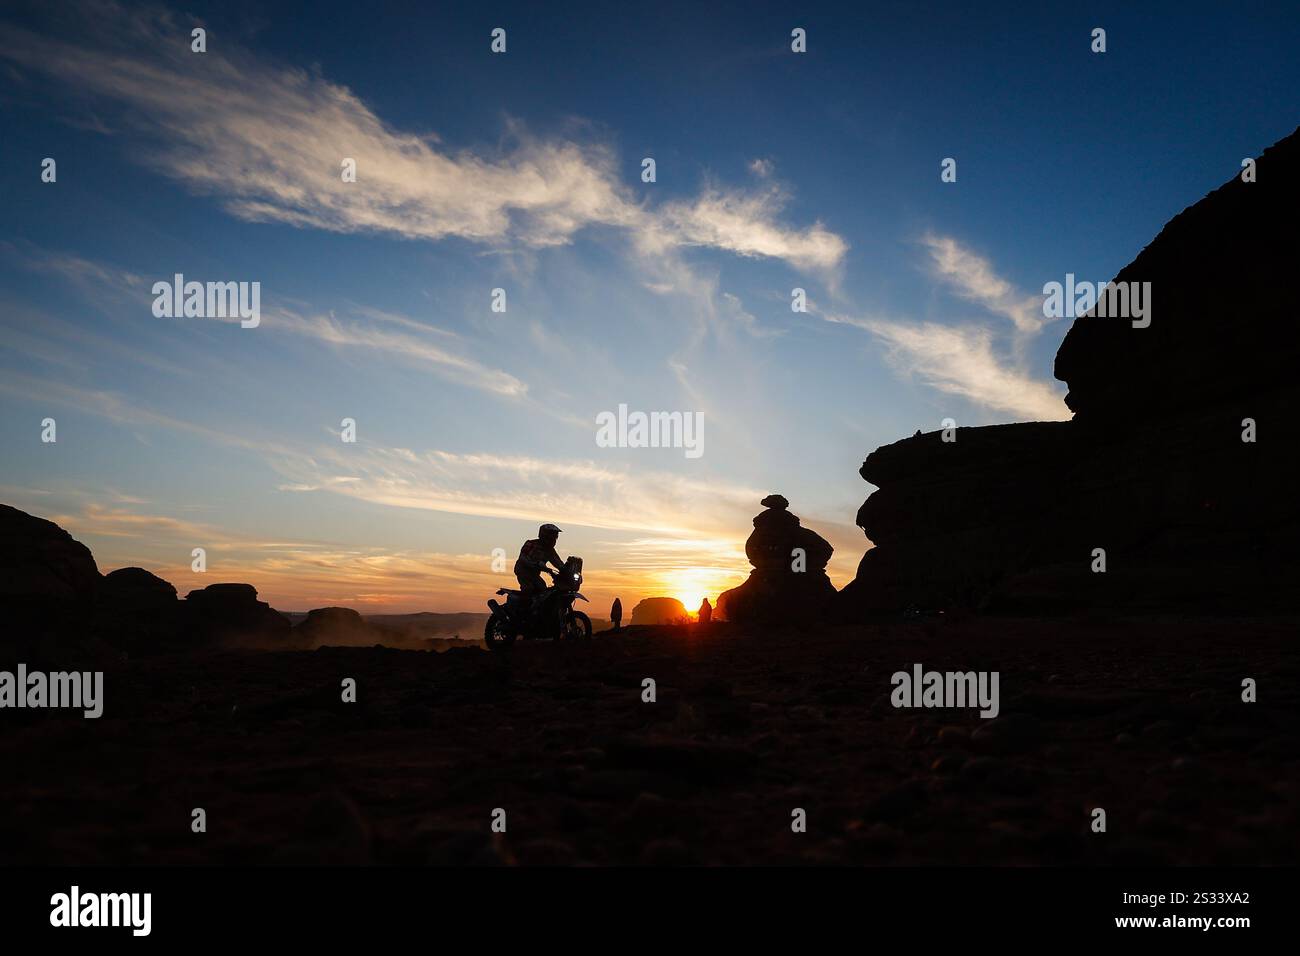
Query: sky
<point x="523" y="171"/>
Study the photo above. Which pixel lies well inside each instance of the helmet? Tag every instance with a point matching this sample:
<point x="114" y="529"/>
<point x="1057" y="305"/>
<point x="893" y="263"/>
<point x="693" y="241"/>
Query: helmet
<point x="547" y="530"/>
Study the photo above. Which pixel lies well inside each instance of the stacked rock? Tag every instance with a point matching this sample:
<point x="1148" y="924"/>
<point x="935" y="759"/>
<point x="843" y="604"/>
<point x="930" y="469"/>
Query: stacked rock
<point x="789" y="579"/>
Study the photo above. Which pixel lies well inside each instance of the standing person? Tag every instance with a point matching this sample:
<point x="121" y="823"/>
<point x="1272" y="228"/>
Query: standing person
<point x="616" y="613"/>
<point x="706" y="612"/>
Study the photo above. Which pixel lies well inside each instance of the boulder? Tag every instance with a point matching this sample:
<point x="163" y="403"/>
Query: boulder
<point x="775" y="591"/>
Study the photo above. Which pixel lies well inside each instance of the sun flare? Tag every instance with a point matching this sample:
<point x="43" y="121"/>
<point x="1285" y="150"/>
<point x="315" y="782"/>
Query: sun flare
<point x="692" y="585"/>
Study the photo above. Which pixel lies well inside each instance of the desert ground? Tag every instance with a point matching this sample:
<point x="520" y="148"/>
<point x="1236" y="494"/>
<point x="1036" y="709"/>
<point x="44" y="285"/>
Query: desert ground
<point x="1142" y="717"/>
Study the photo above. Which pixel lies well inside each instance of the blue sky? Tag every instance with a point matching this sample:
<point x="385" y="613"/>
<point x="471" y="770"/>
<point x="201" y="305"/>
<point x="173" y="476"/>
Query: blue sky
<point x="521" y="171"/>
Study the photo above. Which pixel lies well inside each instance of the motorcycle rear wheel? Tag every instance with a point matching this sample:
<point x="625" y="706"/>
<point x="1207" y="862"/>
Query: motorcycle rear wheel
<point x="497" y="633"/>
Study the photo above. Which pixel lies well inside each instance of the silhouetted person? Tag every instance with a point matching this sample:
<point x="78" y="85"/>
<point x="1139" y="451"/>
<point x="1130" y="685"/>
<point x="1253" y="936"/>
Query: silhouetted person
<point x="533" y="558"/>
<point x="616" y="613"/>
<point x="705" y="612"/>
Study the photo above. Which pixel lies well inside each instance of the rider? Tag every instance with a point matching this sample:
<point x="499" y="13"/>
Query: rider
<point x="533" y="558"/>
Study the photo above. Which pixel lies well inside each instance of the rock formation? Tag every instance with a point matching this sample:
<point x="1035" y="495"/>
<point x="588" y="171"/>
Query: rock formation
<point x="56" y="601"/>
<point x="789" y="579"/>
<point x="659" y="610"/>
<point x="1153" y="468"/>
<point x="232" y="611"/>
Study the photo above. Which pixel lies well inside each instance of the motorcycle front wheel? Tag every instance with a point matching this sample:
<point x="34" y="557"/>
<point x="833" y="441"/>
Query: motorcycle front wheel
<point x="497" y="633"/>
<point x="577" y="627"/>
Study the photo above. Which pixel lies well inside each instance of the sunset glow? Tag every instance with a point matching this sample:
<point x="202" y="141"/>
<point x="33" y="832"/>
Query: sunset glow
<point x="618" y="297"/>
<point x="692" y="585"/>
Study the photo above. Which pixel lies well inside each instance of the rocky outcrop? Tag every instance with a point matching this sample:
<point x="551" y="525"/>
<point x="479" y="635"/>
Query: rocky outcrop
<point x="789" y="579"/>
<point x="659" y="610"/>
<point x="221" y="612"/>
<point x="947" y="517"/>
<point x="1153" y="469"/>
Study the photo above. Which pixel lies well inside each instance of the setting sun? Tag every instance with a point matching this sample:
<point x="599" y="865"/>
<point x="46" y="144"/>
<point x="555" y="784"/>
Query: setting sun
<point x="692" y="585"/>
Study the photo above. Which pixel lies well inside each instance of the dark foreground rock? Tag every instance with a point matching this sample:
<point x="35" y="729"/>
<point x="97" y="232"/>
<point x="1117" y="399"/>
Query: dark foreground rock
<point x="1153" y="469"/>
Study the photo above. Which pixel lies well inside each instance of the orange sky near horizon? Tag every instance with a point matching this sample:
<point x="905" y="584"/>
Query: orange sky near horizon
<point x="302" y="575"/>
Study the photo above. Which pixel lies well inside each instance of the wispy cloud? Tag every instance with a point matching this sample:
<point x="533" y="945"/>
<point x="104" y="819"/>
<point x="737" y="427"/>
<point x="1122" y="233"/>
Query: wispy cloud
<point x="269" y="140"/>
<point x="973" y="278"/>
<point x="581" y="493"/>
<point x="123" y="522"/>
<point x="963" y="361"/>
<point x="414" y="343"/>
<point x="75" y="269"/>
<point x="291" y="575"/>
<point x="398" y="336"/>
<point x="115" y="408"/>
<point x="745" y="223"/>
<point x="983" y="364"/>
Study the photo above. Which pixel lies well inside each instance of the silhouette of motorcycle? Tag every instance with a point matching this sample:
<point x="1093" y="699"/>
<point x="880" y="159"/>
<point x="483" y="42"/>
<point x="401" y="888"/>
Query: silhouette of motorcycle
<point x="549" y="616"/>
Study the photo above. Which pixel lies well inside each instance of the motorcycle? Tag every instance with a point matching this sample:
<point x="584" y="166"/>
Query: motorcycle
<point x="547" y="616"/>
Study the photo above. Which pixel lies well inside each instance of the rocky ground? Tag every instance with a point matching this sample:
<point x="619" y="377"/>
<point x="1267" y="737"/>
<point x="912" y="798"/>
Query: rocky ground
<point x="1142" y="717"/>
